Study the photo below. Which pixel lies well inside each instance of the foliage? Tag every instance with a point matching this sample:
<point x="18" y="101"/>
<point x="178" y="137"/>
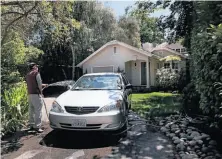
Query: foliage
<point x="16" y="16"/>
<point x="75" y="43"/>
<point x="179" y="22"/>
<point x="149" y="29"/>
<point x="14" y="54"/>
<point x="34" y="20"/>
<point x="208" y="68"/>
<point x="171" y="58"/>
<point x="131" y="31"/>
<point x="97" y="27"/>
<point x="199" y="24"/>
<point x="167" y="79"/>
<point x="14" y="108"/>
<point x="156" y="103"/>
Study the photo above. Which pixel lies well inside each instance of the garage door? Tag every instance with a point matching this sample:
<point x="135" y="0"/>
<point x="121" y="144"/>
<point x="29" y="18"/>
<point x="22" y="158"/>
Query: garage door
<point x="103" y="69"/>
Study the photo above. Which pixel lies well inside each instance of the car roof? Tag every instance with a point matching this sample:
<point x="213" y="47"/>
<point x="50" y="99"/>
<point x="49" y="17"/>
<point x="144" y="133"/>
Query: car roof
<point x="104" y="73"/>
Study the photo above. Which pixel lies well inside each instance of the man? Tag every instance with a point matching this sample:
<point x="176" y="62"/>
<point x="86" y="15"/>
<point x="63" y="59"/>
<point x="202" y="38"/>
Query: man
<point x="34" y="85"/>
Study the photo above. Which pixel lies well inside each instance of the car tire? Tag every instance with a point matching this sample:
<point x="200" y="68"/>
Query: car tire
<point x="58" y="131"/>
<point x="124" y="128"/>
<point x="117" y="138"/>
<point x="129" y="106"/>
<point x="126" y="109"/>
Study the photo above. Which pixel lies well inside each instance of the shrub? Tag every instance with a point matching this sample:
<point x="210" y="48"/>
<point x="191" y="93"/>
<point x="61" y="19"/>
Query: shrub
<point x="207" y="61"/>
<point x="14" y="108"/>
<point x="167" y="79"/>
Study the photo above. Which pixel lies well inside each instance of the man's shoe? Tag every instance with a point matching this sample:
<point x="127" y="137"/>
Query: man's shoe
<point x="31" y="129"/>
<point x="39" y="130"/>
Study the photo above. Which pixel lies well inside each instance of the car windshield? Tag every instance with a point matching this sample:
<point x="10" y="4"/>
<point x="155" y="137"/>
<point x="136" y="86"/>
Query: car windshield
<point x="103" y="82"/>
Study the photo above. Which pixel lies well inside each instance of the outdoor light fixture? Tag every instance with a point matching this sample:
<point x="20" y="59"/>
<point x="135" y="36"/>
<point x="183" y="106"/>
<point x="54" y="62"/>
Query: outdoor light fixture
<point x="135" y="59"/>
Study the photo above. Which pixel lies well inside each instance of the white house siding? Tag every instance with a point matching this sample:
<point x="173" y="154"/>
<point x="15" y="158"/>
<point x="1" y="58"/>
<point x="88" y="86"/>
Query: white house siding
<point x="106" y="57"/>
<point x="164" y="53"/>
<point x="128" y="70"/>
<point x="153" y="71"/>
<point x="136" y="73"/>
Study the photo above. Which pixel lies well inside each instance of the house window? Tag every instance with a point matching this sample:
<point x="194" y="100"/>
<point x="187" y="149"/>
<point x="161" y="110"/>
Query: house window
<point x="114" y="50"/>
<point x="183" y="50"/>
<point x="175" y="65"/>
<point x="178" y="50"/>
<point x="158" y="65"/>
<point x="167" y="65"/>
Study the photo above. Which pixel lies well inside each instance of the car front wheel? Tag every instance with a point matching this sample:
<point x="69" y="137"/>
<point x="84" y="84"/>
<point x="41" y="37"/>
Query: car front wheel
<point x="124" y="130"/>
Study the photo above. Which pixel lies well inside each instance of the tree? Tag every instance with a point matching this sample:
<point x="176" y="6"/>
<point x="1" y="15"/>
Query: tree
<point x="149" y="29"/>
<point x="199" y="24"/>
<point x="97" y="25"/>
<point x="17" y="16"/>
<point x="128" y="26"/>
<point x="180" y="25"/>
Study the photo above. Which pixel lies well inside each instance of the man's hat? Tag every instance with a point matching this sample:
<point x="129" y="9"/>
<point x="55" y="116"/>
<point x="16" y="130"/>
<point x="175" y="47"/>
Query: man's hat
<point x="32" y="64"/>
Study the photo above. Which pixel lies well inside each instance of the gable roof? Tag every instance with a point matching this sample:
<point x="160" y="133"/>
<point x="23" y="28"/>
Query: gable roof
<point x="114" y="42"/>
<point x="175" y="46"/>
<point x="169" y="50"/>
<point x="164" y="47"/>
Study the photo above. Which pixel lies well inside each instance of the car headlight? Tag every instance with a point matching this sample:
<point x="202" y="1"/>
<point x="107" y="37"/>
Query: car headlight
<point x="56" y="108"/>
<point x="111" y="107"/>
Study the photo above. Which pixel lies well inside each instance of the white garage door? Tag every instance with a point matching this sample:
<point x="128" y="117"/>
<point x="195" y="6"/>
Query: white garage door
<point x="98" y="69"/>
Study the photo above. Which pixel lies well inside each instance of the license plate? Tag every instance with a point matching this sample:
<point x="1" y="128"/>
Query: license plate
<point x="79" y="123"/>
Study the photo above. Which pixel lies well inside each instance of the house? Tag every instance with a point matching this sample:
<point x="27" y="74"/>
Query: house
<point x="139" y="65"/>
<point x="165" y="50"/>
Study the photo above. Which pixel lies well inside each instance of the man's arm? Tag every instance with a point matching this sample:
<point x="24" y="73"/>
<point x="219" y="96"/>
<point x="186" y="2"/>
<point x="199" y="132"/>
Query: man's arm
<point x="39" y="82"/>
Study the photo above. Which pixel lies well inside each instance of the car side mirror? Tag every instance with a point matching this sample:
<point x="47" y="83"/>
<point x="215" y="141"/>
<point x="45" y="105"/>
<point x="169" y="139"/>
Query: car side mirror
<point x="128" y="86"/>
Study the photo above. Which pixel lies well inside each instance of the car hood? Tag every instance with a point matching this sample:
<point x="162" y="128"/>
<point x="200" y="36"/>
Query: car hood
<point x="89" y="97"/>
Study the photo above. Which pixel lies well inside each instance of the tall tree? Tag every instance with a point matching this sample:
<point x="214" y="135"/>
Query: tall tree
<point x="180" y="22"/>
<point x="129" y="25"/>
<point x="17" y="16"/>
<point x="199" y="23"/>
<point x="149" y="29"/>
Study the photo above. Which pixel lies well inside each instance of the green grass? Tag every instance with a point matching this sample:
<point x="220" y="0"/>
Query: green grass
<point x="156" y="103"/>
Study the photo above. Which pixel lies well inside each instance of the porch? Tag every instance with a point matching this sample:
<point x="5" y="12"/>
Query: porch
<point x="138" y="73"/>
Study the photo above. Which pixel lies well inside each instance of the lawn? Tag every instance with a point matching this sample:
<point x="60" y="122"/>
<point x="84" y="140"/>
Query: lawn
<point x="156" y="103"/>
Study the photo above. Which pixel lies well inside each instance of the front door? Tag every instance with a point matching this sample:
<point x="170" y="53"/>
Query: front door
<point x="143" y="73"/>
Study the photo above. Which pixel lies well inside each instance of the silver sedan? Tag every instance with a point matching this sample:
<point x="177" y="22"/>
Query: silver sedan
<point x="96" y="102"/>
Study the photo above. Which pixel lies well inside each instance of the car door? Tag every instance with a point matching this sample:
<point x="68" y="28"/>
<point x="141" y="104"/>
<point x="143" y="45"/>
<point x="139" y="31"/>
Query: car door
<point x="127" y="92"/>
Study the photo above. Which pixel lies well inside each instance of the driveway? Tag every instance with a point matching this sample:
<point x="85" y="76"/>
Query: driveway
<point x="142" y="143"/>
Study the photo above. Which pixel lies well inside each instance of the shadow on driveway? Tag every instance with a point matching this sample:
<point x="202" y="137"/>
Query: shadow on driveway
<point x="78" y="140"/>
<point x="149" y="145"/>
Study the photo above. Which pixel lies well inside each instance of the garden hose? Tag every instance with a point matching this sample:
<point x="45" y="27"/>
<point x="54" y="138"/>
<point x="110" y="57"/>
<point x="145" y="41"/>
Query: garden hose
<point x="45" y="109"/>
<point x="45" y="104"/>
